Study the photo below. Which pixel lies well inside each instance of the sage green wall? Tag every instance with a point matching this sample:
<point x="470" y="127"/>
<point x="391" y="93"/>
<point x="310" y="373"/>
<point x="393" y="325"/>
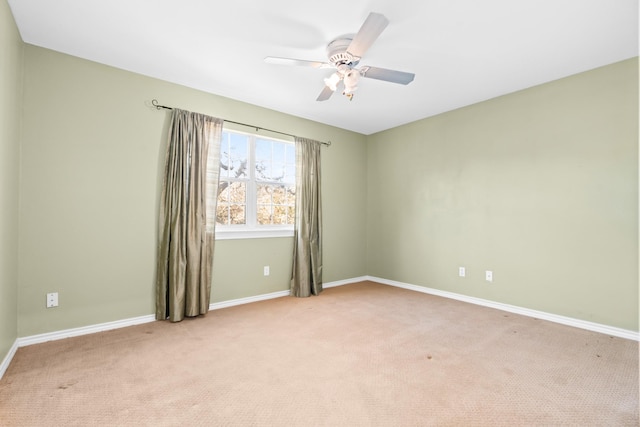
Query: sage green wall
<point x="10" y="104"/>
<point x="92" y="158"/>
<point x="539" y="186"/>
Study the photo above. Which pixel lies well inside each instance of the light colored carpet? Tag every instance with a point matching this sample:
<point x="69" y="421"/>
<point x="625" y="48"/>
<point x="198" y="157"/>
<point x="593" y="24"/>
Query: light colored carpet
<point x="358" y="355"/>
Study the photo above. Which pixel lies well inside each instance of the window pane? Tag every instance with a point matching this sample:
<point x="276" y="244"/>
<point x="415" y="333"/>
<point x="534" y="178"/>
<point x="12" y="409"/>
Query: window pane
<point x="263" y="150"/>
<point x="290" y="156"/>
<point x="234" y="150"/>
<point x="291" y="214"/>
<point x="238" y="193"/>
<point x="263" y="159"/>
<point x="223" y="192"/>
<point x="278" y="152"/>
<point x="280" y="215"/>
<point x="275" y="161"/>
<point x="237" y="214"/>
<point x="278" y="195"/>
<point x="231" y="208"/>
<point x="278" y="172"/>
<point x="264" y="171"/>
<point x="276" y="204"/>
<point x="224" y="155"/>
<point x="222" y="214"/>
<point x="291" y="195"/>
<point x="264" y="214"/>
<point x="264" y="194"/>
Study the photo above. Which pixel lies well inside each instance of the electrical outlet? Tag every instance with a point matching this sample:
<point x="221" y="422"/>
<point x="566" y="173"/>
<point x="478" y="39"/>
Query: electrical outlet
<point x="266" y="270"/>
<point x="52" y="300"/>
<point x="462" y="272"/>
<point x="488" y="275"/>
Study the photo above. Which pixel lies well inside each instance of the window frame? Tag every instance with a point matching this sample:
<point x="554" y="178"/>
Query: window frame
<point x="251" y="229"/>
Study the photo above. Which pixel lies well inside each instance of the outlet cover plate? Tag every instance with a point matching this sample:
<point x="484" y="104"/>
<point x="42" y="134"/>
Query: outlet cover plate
<point x="52" y="300"/>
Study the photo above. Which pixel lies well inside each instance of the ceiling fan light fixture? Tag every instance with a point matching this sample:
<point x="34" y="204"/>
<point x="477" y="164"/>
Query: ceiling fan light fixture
<point x="332" y="81"/>
<point x="351" y="79"/>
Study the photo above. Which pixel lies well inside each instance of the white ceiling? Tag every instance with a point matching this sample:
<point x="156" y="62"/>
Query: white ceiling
<point x="462" y="51"/>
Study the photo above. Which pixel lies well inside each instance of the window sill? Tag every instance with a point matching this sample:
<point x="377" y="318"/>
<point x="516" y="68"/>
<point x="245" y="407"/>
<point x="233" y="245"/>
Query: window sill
<point x="252" y="234"/>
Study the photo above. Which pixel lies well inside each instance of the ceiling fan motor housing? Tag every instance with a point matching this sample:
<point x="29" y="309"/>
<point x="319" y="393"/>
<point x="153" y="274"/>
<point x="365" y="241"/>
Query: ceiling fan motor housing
<point x="338" y="55"/>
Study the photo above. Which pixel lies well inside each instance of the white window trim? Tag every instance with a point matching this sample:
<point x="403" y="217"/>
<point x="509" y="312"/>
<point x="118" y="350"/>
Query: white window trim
<point x="231" y="232"/>
<point x="252" y="233"/>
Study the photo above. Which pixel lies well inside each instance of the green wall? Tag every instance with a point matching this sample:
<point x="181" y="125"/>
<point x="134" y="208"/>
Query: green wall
<point x="11" y="49"/>
<point x="92" y="158"/>
<point x="539" y="186"/>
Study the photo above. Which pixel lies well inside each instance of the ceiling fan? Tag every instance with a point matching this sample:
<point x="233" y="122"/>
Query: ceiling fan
<point x="344" y="55"/>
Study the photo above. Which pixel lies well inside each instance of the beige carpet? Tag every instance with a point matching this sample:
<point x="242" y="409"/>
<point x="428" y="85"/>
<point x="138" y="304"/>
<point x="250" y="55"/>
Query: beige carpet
<point x="359" y="355"/>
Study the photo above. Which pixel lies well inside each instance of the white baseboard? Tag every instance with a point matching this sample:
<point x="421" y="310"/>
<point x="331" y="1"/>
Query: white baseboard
<point x="345" y="282"/>
<point x="278" y="294"/>
<point x="569" y="321"/>
<point x="84" y="330"/>
<point x="247" y="300"/>
<point x="8" y="358"/>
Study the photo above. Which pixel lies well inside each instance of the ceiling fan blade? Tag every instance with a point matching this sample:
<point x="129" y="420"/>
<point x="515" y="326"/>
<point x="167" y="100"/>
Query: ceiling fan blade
<point x="368" y="33"/>
<point x="300" y="62"/>
<point x="392" y="76"/>
<point x="325" y="94"/>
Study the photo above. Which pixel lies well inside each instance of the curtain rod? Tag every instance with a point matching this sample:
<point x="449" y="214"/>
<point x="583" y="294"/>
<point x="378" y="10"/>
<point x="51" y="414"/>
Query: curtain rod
<point x="154" y="102"/>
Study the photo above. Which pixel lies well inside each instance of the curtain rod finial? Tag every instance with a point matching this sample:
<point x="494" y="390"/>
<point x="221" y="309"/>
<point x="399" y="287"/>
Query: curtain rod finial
<point x="154" y="102"/>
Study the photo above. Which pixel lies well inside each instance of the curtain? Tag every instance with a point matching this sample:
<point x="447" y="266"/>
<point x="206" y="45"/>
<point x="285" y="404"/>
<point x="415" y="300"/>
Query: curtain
<point x="186" y="238"/>
<point x="306" y="278"/>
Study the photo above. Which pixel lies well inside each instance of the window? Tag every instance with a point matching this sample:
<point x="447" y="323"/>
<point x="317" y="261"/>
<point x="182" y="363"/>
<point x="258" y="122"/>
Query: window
<point x="256" y="193"/>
